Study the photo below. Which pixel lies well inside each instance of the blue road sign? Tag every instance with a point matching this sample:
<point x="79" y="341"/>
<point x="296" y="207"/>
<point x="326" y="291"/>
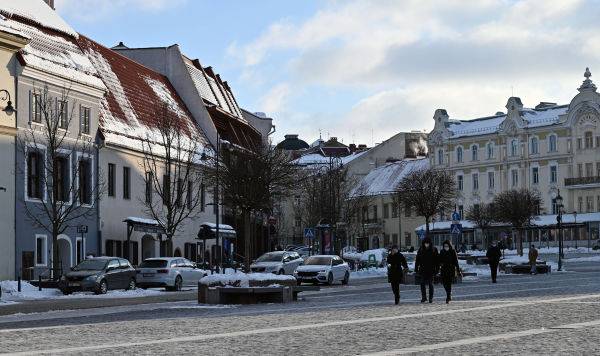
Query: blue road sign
<point x="309" y="233"/>
<point x="455" y="229"/>
<point x="455" y="216"/>
<point x="422" y="233"/>
<point x="82" y="229"/>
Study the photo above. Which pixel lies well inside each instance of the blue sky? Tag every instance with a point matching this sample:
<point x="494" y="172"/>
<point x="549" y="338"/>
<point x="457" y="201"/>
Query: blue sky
<point x="364" y="70"/>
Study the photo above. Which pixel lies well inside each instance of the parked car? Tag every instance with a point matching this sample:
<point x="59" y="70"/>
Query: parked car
<point x="98" y="274"/>
<point x="304" y="251"/>
<point x="323" y="269"/>
<point x="170" y="272"/>
<point x="278" y="262"/>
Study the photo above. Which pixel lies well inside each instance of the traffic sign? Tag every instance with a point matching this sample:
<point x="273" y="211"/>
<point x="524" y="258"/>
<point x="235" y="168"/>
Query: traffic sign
<point x="309" y="233"/>
<point x="82" y="229"/>
<point x="422" y="233"/>
<point x="455" y="216"/>
<point x="455" y="229"/>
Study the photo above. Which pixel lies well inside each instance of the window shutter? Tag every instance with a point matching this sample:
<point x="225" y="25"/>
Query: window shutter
<point x="30" y="106"/>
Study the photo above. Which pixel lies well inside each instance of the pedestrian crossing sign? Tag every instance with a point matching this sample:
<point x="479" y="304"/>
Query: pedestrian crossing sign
<point x="309" y="233"/>
<point x="455" y="229"/>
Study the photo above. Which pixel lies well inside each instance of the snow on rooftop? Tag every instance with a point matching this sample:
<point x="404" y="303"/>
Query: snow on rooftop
<point x="545" y="117"/>
<point x="38" y="12"/>
<point x="165" y="95"/>
<point x="317" y="158"/>
<point x="385" y="179"/>
<point x="142" y="220"/>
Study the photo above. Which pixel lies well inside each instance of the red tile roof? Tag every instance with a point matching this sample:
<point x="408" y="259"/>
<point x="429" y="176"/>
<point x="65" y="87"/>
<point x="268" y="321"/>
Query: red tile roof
<point x="135" y="94"/>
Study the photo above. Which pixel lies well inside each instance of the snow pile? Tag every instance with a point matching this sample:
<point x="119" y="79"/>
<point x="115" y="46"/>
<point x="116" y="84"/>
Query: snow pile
<point x="583" y="259"/>
<point x="240" y="279"/>
<point x="38" y="12"/>
<point x="28" y="291"/>
<point x="369" y="273"/>
<point x="379" y="253"/>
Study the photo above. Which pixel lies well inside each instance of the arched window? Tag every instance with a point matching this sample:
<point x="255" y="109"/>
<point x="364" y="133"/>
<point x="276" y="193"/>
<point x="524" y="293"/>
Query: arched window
<point x="490" y="150"/>
<point x="534" y="145"/>
<point x="552" y="143"/>
<point x="440" y="156"/>
<point x="459" y="154"/>
<point x="474" y="153"/>
<point x="514" y="148"/>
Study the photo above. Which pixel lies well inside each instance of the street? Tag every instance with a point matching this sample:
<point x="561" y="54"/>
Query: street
<point x="526" y="314"/>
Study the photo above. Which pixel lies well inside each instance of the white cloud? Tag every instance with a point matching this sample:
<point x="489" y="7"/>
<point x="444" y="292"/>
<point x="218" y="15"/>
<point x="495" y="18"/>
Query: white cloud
<point x="94" y="10"/>
<point x="275" y="99"/>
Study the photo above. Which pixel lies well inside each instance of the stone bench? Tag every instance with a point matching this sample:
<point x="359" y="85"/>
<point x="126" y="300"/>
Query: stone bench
<point x="525" y="268"/>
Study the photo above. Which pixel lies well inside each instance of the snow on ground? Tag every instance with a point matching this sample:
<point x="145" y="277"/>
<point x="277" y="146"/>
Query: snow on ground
<point x="10" y="292"/>
<point x="583" y="259"/>
<point x="243" y="278"/>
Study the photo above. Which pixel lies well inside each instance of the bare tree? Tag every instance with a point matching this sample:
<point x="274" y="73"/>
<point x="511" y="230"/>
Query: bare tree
<point x="519" y="208"/>
<point x="172" y="169"/>
<point x="429" y="191"/>
<point x="482" y="215"/>
<point x="60" y="184"/>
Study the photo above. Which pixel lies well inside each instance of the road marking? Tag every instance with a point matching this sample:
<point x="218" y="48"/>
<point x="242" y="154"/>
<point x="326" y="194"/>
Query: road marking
<point x="481" y="339"/>
<point x="292" y="328"/>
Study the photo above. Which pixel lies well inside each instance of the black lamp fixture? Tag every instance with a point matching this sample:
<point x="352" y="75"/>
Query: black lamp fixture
<point x="559" y="206"/>
<point x="9" y="108"/>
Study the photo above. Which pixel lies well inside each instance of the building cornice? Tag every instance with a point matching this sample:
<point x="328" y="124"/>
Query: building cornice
<point x="8" y="131"/>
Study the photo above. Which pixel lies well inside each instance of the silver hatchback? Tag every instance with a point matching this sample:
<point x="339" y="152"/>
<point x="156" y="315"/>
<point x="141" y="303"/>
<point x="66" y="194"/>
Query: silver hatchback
<point x="173" y="273"/>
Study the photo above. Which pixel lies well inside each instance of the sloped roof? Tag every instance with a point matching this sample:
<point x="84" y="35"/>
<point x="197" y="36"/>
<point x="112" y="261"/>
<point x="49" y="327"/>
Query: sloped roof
<point x="487" y="125"/>
<point x="53" y="52"/>
<point x="36" y="12"/>
<point x="385" y="179"/>
<point x="135" y="94"/>
<point x="317" y="158"/>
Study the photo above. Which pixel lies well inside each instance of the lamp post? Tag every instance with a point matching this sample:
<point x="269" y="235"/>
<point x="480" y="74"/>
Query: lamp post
<point x="576" y="232"/>
<point x="559" y="205"/>
<point x="9" y="109"/>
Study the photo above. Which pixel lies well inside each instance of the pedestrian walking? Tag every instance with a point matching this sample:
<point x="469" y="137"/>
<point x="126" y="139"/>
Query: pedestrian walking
<point x="533" y="254"/>
<point x="396" y="262"/>
<point x="426" y="266"/>
<point x="493" y="254"/>
<point x="449" y="268"/>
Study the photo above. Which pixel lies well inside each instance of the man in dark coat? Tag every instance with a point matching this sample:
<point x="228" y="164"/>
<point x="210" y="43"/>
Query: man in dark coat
<point x="426" y="266"/>
<point x="493" y="254"/>
<point x="395" y="262"/>
<point x="449" y="268"/>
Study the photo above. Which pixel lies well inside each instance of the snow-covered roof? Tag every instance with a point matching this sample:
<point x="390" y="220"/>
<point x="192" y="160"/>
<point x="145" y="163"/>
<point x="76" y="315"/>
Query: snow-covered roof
<point x="222" y="227"/>
<point x="134" y="219"/>
<point x="54" y="53"/>
<point x="317" y="158"/>
<point x="487" y="125"/>
<point x="135" y="95"/>
<point x="385" y="179"/>
<point x="36" y="12"/>
<point x="539" y="221"/>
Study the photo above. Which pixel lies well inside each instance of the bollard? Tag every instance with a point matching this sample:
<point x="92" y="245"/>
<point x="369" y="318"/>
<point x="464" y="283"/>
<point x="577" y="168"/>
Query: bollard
<point x="19" y="284"/>
<point x="40" y="282"/>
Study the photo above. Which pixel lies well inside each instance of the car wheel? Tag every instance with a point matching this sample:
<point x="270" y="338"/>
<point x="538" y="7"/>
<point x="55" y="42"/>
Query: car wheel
<point x="103" y="288"/>
<point x="131" y="285"/>
<point x="281" y="272"/>
<point x="178" y="284"/>
<point x="330" y="278"/>
<point x="346" y="278"/>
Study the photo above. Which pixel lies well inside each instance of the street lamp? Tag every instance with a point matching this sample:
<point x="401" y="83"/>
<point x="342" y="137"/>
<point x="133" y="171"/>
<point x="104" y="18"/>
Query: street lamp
<point x="576" y="232"/>
<point x="9" y="108"/>
<point x="559" y="206"/>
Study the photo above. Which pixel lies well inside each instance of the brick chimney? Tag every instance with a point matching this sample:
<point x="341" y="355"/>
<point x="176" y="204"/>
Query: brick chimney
<point x="50" y="3"/>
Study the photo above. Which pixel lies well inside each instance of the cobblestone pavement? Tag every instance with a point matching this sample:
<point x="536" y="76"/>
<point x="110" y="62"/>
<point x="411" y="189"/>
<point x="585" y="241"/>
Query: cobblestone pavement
<point x="554" y="314"/>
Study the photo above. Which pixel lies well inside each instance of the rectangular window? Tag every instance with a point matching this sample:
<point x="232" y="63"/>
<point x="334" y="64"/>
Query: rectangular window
<point x="589" y="204"/>
<point x="580" y="204"/>
<point x="190" y="195"/>
<point x="108" y="248"/>
<point x="395" y="239"/>
<point x="148" y="189"/>
<point x="461" y="212"/>
<point x="491" y="182"/>
<point x="111" y="179"/>
<point x="535" y="179"/>
<point x="475" y="181"/>
<point x="166" y="190"/>
<point x="553" y="174"/>
<point x="297" y="222"/>
<point x="386" y="211"/>
<point x="490" y="149"/>
<point x="514" y="177"/>
<point x="85" y="120"/>
<point x="79" y="250"/>
<point x="34" y="174"/>
<point x="202" y="196"/>
<point x="589" y="169"/>
<point x="597" y="169"/>
<point x="180" y="188"/>
<point x="40" y="250"/>
<point x="579" y="143"/>
<point x="374" y="211"/>
<point x="407" y="210"/>
<point x="85" y="182"/>
<point x="554" y="206"/>
<point x="63" y="120"/>
<point x="407" y="241"/>
<point x="534" y="145"/>
<point x="126" y="183"/>
<point x="514" y="148"/>
<point x="589" y="140"/>
<point x="61" y="179"/>
<point x="394" y="210"/>
<point x="36" y="108"/>
<point x="552" y="145"/>
<point x="580" y="170"/>
<point x="459" y="182"/>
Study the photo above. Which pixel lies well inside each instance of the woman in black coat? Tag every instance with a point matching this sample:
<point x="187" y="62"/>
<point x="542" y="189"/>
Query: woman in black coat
<point x="449" y="267"/>
<point x="395" y="262"/>
<point x="426" y="266"/>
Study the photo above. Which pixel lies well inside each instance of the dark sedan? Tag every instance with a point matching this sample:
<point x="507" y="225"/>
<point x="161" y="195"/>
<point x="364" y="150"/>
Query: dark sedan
<point x="98" y="275"/>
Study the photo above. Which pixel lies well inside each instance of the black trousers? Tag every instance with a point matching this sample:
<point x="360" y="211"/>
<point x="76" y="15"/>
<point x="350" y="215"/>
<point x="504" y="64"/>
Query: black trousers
<point x="447" y="282"/>
<point x="396" y="289"/>
<point x="426" y="280"/>
<point x="494" y="270"/>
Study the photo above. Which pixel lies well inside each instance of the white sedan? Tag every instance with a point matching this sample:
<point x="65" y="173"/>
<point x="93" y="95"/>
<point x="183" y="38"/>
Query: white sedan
<point x="169" y="272"/>
<point x="323" y="269"/>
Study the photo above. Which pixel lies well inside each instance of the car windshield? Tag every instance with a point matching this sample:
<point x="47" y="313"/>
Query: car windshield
<point x="154" y="264"/>
<point x="270" y="257"/>
<point x="90" y="265"/>
<point x="320" y="261"/>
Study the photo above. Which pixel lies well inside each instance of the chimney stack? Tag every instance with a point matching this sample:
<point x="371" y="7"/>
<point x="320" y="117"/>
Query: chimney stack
<point x="50" y="3"/>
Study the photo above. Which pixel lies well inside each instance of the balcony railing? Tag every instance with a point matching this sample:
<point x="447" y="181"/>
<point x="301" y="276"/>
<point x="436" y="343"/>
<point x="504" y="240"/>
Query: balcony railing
<point x="582" y="180"/>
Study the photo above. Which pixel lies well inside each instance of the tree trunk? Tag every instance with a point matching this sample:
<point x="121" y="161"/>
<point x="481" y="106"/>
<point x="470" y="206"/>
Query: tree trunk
<point x="426" y="229"/>
<point x="247" y="232"/>
<point x="55" y="261"/>
<point x="520" y="238"/>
